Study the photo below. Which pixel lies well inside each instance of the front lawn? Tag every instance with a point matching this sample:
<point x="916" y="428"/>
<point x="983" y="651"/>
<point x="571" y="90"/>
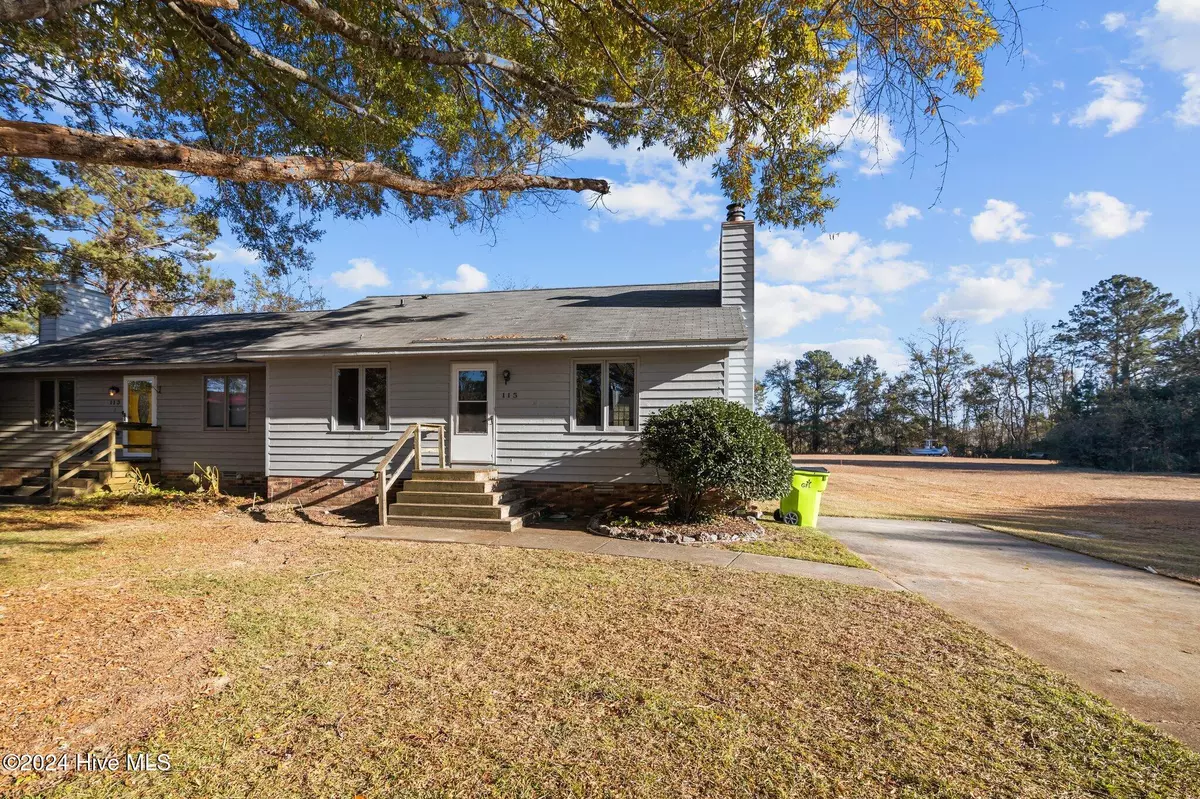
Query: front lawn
<point x="801" y="543"/>
<point x="275" y="660"/>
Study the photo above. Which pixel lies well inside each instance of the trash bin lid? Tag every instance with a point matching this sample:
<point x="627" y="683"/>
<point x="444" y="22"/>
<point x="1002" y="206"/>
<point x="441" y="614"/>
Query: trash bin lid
<point x="814" y="469"/>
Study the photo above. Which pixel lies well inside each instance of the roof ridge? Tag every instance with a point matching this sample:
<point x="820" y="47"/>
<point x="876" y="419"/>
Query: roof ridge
<point x="538" y="288"/>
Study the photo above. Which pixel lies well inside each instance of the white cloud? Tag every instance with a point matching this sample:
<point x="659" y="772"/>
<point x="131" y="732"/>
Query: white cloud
<point x="887" y="353"/>
<point x="1027" y="98"/>
<point x="592" y="224"/>
<point x="1060" y="85"/>
<point x="656" y="187"/>
<point x="223" y="254"/>
<point x="363" y="273"/>
<point x="1170" y="37"/>
<point x="778" y="309"/>
<point x="863" y="308"/>
<point x="1061" y="239"/>
<point x="841" y="261"/>
<point x="859" y="133"/>
<point x="900" y="215"/>
<point x="1120" y="104"/>
<point x="1114" y="20"/>
<point x="1180" y="10"/>
<point x="1104" y="216"/>
<point x="1006" y="289"/>
<point x="1188" y="112"/>
<point x="418" y="281"/>
<point x="1000" y="220"/>
<point x="467" y="278"/>
<point x="658" y="201"/>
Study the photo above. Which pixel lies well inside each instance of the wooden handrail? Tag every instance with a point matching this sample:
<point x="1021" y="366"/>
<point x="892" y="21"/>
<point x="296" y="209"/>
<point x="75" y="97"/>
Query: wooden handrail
<point x="107" y="430"/>
<point x="415" y="431"/>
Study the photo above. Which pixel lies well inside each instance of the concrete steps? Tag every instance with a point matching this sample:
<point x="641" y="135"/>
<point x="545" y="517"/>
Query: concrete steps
<point x="472" y="499"/>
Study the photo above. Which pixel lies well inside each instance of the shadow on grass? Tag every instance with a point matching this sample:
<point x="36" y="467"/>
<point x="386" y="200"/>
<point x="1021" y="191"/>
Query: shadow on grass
<point x="49" y="546"/>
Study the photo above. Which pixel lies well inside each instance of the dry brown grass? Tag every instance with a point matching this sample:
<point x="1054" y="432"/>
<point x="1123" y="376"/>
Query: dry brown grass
<point x="424" y="669"/>
<point x="1136" y="519"/>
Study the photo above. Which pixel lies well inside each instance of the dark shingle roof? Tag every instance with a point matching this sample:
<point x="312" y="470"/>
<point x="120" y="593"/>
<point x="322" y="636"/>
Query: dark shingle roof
<point x="159" y="339"/>
<point x="670" y="313"/>
<point x="666" y="313"/>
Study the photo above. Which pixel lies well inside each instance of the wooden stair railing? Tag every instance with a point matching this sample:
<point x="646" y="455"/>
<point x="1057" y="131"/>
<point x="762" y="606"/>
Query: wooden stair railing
<point x="415" y="433"/>
<point x="87" y="441"/>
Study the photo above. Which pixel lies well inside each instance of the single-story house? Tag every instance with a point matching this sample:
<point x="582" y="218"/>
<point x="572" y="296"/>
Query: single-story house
<point x="542" y="390"/>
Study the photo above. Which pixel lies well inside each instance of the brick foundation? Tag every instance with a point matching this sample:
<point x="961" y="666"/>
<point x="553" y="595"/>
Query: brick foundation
<point x="596" y="497"/>
<point x="329" y="492"/>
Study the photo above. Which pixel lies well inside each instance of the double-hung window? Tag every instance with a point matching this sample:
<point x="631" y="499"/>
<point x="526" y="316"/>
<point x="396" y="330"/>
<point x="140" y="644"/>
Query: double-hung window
<point x="360" y="398"/>
<point x="604" y="395"/>
<point x="56" y="404"/>
<point x="226" y="402"/>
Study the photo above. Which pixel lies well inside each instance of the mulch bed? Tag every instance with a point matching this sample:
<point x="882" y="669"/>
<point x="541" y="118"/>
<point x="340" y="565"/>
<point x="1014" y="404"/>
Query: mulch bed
<point x="659" y="530"/>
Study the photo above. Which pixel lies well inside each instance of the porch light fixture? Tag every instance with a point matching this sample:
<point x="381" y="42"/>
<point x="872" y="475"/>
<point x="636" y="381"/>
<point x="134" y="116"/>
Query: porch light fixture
<point x="114" y="391"/>
<point x="507" y="375"/>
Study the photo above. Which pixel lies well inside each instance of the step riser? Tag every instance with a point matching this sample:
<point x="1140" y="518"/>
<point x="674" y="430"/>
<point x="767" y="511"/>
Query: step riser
<point x="467" y="513"/>
<point x="505" y="511"/>
<point x="459" y="497"/>
<point x="452" y="486"/>
<point x="447" y="498"/>
<point x="455" y="475"/>
<point x="499" y="525"/>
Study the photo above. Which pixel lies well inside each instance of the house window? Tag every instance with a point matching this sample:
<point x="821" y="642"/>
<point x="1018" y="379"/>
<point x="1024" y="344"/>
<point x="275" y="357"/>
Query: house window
<point x="360" y="398"/>
<point x="605" y="396"/>
<point x="226" y="402"/>
<point x="56" y="404"/>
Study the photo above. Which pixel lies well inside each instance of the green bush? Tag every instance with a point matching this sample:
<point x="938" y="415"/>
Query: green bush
<point x="712" y="450"/>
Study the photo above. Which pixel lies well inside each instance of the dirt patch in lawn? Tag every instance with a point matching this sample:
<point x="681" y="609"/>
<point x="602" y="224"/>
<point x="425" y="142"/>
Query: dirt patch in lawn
<point x="1136" y="519"/>
<point x="372" y="668"/>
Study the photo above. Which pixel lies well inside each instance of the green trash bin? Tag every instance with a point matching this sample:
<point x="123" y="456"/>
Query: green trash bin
<point x="802" y="507"/>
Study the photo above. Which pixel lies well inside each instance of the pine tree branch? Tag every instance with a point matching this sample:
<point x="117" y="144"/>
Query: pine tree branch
<point x="335" y="23"/>
<point x="57" y="143"/>
<point x="23" y="10"/>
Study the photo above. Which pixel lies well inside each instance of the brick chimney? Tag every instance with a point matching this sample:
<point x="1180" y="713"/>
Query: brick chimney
<point x="737" y="290"/>
<point x="83" y="310"/>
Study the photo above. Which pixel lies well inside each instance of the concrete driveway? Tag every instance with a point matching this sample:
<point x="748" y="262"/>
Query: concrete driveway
<point x="1130" y="636"/>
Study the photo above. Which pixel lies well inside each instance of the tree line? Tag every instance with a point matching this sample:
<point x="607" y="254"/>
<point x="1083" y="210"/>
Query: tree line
<point x="1115" y="385"/>
<point x="141" y="238"/>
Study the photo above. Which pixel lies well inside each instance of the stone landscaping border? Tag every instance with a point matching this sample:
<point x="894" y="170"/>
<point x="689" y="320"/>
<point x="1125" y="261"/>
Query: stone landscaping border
<point x="665" y="535"/>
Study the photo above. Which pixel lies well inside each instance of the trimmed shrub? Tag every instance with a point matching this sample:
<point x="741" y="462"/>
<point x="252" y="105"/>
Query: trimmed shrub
<point x="713" y="449"/>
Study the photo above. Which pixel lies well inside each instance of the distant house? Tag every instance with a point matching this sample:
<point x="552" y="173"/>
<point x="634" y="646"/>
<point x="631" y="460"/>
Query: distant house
<point x="542" y="390"/>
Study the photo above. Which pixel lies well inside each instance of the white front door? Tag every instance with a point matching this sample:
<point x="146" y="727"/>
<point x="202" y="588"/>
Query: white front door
<point x="140" y="407"/>
<point x="472" y="404"/>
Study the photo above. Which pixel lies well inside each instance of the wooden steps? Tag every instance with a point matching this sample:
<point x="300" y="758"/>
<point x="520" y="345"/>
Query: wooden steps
<point x="35" y="490"/>
<point x="460" y="498"/>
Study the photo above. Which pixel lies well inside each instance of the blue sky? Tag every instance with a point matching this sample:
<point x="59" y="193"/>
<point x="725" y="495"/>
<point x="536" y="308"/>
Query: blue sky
<point x="1078" y="161"/>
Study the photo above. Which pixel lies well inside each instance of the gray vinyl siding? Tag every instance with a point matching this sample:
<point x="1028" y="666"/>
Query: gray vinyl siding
<point x="534" y="440"/>
<point x="83" y="310"/>
<point x="737" y="290"/>
<point x="183" y="440"/>
<point x="300" y="440"/>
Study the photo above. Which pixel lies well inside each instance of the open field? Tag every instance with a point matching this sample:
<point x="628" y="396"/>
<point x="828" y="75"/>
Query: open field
<point x="1137" y="519"/>
<point x="274" y="659"/>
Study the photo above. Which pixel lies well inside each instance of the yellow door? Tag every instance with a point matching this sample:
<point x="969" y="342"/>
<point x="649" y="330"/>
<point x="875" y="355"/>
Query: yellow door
<point x="140" y="402"/>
